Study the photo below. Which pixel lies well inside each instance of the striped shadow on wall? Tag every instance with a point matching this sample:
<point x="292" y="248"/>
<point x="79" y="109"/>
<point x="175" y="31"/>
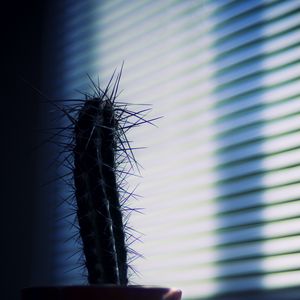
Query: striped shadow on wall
<point x="221" y="178"/>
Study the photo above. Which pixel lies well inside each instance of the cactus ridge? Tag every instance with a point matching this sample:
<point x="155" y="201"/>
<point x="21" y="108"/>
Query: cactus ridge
<point x="99" y="156"/>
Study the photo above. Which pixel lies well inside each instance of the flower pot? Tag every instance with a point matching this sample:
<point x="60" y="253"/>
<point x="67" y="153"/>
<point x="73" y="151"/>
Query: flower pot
<point x="94" y="292"/>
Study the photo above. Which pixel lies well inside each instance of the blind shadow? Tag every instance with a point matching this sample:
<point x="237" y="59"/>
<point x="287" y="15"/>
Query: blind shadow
<point x="240" y="137"/>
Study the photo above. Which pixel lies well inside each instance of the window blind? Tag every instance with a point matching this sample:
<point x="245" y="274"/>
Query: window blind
<point x="221" y="176"/>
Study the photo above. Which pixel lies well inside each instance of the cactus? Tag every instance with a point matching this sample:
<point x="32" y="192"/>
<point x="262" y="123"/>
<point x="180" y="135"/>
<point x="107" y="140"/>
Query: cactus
<point x="99" y="212"/>
<point x="100" y="161"/>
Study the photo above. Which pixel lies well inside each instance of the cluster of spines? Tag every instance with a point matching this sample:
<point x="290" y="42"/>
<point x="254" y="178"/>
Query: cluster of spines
<point x="99" y="157"/>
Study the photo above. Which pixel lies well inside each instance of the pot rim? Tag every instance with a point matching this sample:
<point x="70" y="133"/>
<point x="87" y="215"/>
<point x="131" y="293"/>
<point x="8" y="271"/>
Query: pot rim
<point x="111" y="291"/>
<point x="102" y="286"/>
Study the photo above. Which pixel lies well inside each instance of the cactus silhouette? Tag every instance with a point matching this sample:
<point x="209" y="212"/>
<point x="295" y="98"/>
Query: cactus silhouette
<point x="99" y="211"/>
<point x="100" y="157"/>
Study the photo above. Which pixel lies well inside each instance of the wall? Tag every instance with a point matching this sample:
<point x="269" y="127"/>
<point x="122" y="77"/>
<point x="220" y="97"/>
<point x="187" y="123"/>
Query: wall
<point x="21" y="49"/>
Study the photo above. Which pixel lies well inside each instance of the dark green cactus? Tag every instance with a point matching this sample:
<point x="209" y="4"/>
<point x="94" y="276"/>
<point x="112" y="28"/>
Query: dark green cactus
<point x="99" y="211"/>
<point x="100" y="158"/>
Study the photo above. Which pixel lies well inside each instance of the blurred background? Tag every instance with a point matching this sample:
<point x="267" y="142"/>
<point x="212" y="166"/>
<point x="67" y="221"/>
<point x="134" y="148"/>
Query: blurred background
<point x="221" y="174"/>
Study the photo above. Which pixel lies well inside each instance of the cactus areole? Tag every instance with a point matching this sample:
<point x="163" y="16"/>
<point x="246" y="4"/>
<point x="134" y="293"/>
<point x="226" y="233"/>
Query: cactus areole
<point x="98" y="206"/>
